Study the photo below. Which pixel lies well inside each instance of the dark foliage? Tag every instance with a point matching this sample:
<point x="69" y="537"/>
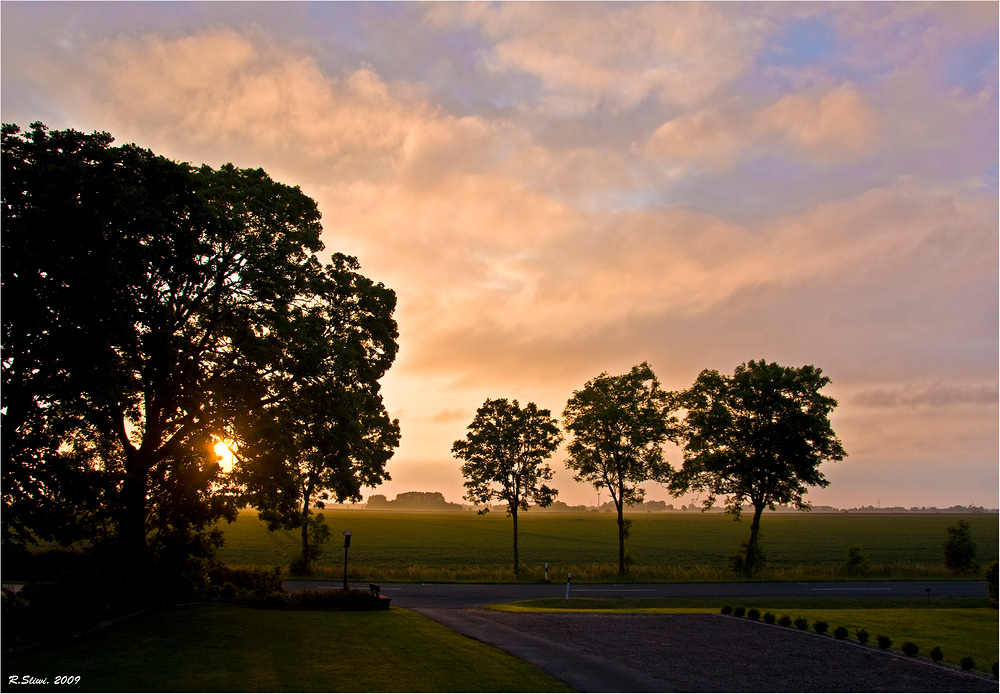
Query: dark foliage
<point x="909" y="648"/>
<point x="855" y="564"/>
<point x="936" y="655"/>
<point x="801" y="623"/>
<point x="820" y="627"/>
<point x="959" y="549"/>
<point x="755" y="437"/>
<point x="727" y="609"/>
<point x="768" y="618"/>
<point x="883" y="641"/>
<point x="244" y="584"/>
<point x="739" y="611"/>
<point x="862" y="636"/>
<point x="785" y="621"/>
<point x="840" y="633"/>
<point x="967" y="663"/>
<point x="753" y="614"/>
<point x="991" y="582"/>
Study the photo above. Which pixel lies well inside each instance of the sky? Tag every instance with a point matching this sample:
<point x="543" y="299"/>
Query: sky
<point x="555" y="191"/>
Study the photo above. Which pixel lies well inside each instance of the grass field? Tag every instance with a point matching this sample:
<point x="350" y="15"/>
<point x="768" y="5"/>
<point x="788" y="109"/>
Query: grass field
<point x="960" y="627"/>
<point x="665" y="547"/>
<point x="230" y="649"/>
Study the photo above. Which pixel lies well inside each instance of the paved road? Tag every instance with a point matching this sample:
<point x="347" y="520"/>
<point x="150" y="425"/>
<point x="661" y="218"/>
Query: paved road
<point x="463" y="595"/>
<point x="456" y="606"/>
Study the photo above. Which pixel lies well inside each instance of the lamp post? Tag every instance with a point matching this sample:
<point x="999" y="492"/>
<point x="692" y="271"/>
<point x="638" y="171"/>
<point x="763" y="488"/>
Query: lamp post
<point x="347" y="544"/>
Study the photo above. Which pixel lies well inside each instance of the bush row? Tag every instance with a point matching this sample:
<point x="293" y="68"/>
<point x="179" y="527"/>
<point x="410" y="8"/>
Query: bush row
<point x="908" y="648"/>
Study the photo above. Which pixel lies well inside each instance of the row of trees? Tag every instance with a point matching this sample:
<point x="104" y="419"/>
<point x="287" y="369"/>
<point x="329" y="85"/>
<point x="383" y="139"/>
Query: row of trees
<point x="756" y="437"/>
<point x="152" y="308"/>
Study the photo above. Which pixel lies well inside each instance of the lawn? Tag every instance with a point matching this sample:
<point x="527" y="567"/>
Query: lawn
<point x="960" y="627"/>
<point x="229" y="649"/>
<point x="668" y="546"/>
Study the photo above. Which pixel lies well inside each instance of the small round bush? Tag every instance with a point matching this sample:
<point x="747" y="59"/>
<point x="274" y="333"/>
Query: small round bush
<point x="883" y="641"/>
<point x="840" y="633"/>
<point x="769" y="618"/>
<point x="739" y="611"/>
<point x="801" y="623"/>
<point x="727" y="609"/>
<point x="936" y="654"/>
<point x="820" y="627"/>
<point x="996" y="666"/>
<point x="909" y="648"/>
<point x="753" y="614"/>
<point x="785" y="621"/>
<point x="862" y="635"/>
<point x="967" y="663"/>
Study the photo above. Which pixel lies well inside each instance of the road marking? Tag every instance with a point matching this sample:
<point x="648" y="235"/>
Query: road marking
<point x="614" y="590"/>
<point x="850" y="589"/>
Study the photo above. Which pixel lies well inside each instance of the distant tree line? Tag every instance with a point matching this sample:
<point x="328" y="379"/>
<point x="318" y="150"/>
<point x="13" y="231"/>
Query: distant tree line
<point x="420" y="501"/>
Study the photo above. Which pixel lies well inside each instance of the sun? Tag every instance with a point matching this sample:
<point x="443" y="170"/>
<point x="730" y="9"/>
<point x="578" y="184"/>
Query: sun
<point x="222" y="450"/>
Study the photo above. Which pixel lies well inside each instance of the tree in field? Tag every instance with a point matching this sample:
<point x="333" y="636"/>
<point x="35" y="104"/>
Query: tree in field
<point x="504" y="453"/>
<point x="619" y="424"/>
<point x="756" y="437"/>
<point x="151" y="307"/>
<point x="959" y="548"/>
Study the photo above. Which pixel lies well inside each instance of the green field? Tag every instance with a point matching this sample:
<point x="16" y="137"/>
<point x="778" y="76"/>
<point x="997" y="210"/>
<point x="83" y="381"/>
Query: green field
<point x="230" y="649"/>
<point x="668" y="546"/>
<point x="959" y="626"/>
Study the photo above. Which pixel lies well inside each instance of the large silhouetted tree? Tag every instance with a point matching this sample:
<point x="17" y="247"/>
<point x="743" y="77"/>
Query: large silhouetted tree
<point x="504" y="453"/>
<point x="619" y="424"/>
<point x="148" y="307"/>
<point x="756" y="437"/>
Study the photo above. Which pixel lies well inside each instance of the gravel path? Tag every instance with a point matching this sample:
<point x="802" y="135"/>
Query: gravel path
<point x="712" y="653"/>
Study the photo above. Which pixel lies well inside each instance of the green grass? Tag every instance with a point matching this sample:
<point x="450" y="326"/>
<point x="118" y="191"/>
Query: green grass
<point x="959" y="626"/>
<point x="229" y="649"/>
<point x="399" y="546"/>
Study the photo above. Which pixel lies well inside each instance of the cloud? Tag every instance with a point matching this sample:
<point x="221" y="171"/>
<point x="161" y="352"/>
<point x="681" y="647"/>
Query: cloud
<point x="927" y="394"/>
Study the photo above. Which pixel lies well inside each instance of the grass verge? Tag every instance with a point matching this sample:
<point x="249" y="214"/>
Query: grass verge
<point x="959" y="626"/>
<point x="228" y="649"/>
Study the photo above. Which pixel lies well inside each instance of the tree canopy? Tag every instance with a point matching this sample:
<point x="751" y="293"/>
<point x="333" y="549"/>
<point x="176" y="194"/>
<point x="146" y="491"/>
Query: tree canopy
<point x="619" y="425"/>
<point x="151" y="307"/>
<point x="756" y="437"/>
<point x="505" y="450"/>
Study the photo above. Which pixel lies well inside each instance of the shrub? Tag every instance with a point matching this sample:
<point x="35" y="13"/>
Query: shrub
<point x="739" y="611"/>
<point x="883" y="641"/>
<point x="936" y="654"/>
<point x="959" y="549"/>
<point x="350" y="600"/>
<point x="768" y="618"/>
<point x="785" y="621"/>
<point x="991" y="582"/>
<point x="820" y="627"/>
<point x="855" y="564"/>
<point x="737" y="561"/>
<point x="967" y="663"/>
<point x="996" y="667"/>
<point x="727" y="609"/>
<point x="862" y="635"/>
<point x="840" y="633"/>
<point x="245" y="583"/>
<point x="753" y="614"/>
<point x="801" y="623"/>
<point x="909" y="648"/>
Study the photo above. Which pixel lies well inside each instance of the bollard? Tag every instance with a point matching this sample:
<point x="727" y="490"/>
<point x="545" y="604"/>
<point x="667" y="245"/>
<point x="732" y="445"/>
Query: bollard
<point x="569" y="579"/>
<point x="546" y="571"/>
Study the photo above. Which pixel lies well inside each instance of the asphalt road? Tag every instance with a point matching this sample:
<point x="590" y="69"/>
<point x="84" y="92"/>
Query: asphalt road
<point x="466" y="595"/>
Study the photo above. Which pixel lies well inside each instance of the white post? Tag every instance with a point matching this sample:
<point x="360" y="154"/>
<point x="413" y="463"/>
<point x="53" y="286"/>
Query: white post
<point x="569" y="579"/>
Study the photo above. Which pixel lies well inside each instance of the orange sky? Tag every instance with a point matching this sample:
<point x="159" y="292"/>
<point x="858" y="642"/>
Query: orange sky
<point x="557" y="190"/>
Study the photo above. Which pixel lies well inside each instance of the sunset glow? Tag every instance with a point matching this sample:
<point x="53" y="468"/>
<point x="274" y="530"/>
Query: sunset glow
<point x="556" y="190"/>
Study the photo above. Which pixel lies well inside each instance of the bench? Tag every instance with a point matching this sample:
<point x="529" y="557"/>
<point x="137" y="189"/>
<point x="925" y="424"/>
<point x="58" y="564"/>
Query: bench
<point x="381" y="602"/>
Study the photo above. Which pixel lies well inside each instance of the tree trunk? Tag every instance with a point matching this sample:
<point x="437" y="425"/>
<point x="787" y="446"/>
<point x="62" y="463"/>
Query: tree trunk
<point x="306" y="559"/>
<point x="517" y="562"/>
<point x="621" y="537"/>
<point x="748" y="566"/>
<point x="131" y="529"/>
